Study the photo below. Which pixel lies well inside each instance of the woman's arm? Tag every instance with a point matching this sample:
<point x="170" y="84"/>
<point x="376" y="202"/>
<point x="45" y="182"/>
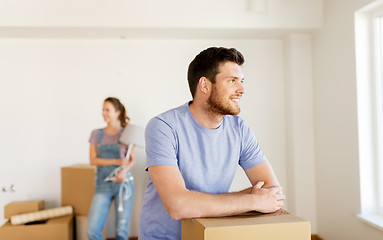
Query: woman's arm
<point x="94" y="160"/>
<point x="132" y="161"/>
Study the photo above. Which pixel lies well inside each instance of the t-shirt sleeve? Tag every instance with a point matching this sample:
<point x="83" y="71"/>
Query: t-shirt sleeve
<point x="94" y="137"/>
<point x="251" y="153"/>
<point x="160" y="144"/>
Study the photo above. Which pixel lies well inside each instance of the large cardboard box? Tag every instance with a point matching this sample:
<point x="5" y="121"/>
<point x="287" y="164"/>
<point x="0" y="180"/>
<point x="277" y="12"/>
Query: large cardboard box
<point x="280" y="225"/>
<point x="55" y="228"/>
<point x="19" y="207"/>
<point x="77" y="187"/>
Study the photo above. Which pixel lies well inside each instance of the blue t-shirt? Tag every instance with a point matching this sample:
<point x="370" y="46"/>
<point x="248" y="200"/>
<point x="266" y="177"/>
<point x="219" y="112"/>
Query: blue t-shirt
<point x="206" y="158"/>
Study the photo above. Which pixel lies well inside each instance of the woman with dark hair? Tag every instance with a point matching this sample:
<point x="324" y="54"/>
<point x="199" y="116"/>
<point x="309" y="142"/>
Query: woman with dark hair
<point x="109" y="154"/>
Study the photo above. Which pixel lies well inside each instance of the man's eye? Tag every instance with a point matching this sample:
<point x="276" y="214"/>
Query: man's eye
<point x="232" y="81"/>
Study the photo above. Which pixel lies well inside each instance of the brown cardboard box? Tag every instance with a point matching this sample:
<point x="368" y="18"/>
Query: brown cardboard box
<point x="19" y="207"/>
<point x="55" y="228"/>
<point x="77" y="187"/>
<point x="280" y="225"/>
<point x="81" y="228"/>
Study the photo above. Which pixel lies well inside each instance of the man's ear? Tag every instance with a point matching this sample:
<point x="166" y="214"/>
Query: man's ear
<point x="204" y="84"/>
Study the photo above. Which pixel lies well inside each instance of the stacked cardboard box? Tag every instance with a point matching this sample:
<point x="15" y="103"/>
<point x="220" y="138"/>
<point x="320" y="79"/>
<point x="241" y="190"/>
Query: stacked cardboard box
<point x="77" y="189"/>
<point x="274" y="226"/>
<point x="56" y="228"/>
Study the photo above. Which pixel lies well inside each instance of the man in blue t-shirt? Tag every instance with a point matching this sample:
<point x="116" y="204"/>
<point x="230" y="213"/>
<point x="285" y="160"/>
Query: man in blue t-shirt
<point x="193" y="152"/>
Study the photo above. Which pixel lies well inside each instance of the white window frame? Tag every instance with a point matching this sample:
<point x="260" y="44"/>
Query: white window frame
<point x="369" y="53"/>
<point x="378" y="42"/>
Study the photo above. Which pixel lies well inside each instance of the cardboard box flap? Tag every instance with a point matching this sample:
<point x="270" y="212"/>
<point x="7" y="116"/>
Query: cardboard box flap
<point x="81" y="165"/>
<point x="20" y="207"/>
<point x="251" y="218"/>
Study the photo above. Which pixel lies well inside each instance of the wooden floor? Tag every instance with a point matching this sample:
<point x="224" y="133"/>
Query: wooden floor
<point x="313" y="237"/>
<point x="316" y="237"/>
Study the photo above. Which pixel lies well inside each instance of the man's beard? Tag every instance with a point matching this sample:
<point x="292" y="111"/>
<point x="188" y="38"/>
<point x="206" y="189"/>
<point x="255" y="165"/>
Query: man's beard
<point x="219" y="105"/>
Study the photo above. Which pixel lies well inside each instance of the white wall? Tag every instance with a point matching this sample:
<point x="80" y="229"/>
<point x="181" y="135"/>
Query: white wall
<point x="52" y="93"/>
<point x="300" y="127"/>
<point x="59" y="60"/>
<point x="337" y="167"/>
<point x="280" y="14"/>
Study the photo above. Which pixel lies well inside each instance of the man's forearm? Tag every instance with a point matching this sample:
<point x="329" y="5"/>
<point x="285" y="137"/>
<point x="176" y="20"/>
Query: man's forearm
<point x="181" y="202"/>
<point x="198" y="204"/>
<point x="244" y="191"/>
<point x="191" y="204"/>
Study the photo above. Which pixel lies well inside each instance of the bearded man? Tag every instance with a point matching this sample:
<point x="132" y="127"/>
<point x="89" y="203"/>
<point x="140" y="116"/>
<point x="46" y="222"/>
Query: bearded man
<point x="193" y="152"/>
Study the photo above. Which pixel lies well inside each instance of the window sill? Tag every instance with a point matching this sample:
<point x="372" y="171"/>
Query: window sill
<point x="373" y="220"/>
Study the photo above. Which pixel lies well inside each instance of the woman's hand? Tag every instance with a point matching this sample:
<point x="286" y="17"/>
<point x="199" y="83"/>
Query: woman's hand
<point x="124" y="161"/>
<point x="120" y="177"/>
<point x="129" y="161"/>
<point x="127" y="165"/>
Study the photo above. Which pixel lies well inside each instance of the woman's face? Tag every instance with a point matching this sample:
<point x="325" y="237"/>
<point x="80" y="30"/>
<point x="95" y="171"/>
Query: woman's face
<point x="109" y="113"/>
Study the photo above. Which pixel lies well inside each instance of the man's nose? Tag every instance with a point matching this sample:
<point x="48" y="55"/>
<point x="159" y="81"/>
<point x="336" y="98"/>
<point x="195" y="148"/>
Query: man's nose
<point x="241" y="88"/>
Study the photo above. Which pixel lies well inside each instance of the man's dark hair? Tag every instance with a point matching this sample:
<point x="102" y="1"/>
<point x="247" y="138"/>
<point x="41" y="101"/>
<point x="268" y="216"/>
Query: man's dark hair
<point x="206" y="64"/>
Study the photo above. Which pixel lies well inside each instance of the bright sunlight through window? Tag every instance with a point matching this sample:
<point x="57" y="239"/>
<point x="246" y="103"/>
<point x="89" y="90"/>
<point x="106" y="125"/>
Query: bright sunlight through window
<point x="369" y="68"/>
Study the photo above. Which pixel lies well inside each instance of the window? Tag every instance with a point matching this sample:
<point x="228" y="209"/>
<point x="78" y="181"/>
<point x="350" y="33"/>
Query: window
<point x="369" y="66"/>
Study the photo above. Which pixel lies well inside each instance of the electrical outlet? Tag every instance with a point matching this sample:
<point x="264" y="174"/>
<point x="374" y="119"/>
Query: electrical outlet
<point x="11" y="188"/>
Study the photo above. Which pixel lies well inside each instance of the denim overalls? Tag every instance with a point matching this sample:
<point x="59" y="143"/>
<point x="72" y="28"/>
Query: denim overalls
<point x="106" y="192"/>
